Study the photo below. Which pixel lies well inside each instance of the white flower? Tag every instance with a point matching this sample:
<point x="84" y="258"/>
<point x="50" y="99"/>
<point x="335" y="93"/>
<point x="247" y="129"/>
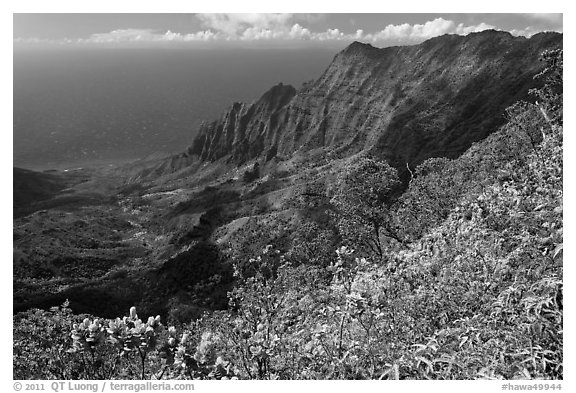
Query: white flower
<point x="133" y="314"/>
<point x="184" y="338"/>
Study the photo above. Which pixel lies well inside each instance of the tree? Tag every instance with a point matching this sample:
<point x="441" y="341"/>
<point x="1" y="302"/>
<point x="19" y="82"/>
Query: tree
<point x="312" y="245"/>
<point x="363" y="195"/>
<point x="432" y="193"/>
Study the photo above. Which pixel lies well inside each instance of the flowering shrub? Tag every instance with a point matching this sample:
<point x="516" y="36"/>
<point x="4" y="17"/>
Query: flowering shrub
<point x="40" y="341"/>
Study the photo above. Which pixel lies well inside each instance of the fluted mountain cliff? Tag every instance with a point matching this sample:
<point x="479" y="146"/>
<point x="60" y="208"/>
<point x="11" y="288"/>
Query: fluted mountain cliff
<point x="403" y="103"/>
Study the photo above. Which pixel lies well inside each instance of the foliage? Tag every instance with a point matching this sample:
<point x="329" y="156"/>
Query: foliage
<point x="60" y="345"/>
<point x="550" y="95"/>
<point x="362" y="196"/>
<point x="40" y="340"/>
<point x="311" y="244"/>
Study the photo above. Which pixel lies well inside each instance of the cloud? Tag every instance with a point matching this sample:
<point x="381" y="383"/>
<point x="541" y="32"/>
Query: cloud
<point x="419" y="32"/>
<point x="254" y="27"/>
<point x="526" y="32"/>
<point x="238" y="24"/>
<point x="146" y="35"/>
<point x="461" y="29"/>
<point x="332" y="35"/>
<point x="543" y="22"/>
<point x="123" y="35"/>
<point x="203" y="35"/>
<point x="289" y="27"/>
<point x="299" y="32"/>
<point x="279" y="26"/>
<point x="530" y="31"/>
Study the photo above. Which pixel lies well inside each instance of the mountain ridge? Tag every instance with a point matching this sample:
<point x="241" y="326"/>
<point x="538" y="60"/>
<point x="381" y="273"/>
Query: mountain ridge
<point x="403" y="104"/>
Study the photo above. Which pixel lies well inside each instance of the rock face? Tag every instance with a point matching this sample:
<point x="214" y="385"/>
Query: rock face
<point x="404" y="104"/>
<point x="244" y="132"/>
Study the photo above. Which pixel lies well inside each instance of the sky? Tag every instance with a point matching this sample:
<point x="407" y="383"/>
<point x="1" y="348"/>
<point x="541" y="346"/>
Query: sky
<point x="296" y="29"/>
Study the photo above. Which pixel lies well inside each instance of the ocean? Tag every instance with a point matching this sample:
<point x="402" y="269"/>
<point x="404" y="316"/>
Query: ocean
<point x="79" y="106"/>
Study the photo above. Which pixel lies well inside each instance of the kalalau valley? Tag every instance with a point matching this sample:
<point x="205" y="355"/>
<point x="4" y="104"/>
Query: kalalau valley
<point x="399" y="216"/>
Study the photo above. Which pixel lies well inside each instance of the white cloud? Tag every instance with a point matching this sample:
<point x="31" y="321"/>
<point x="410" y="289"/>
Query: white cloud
<point x="203" y="35"/>
<point x="255" y="33"/>
<point x="123" y="35"/>
<point x="530" y="31"/>
<point x="237" y="24"/>
<point x="299" y="32"/>
<point x="283" y="27"/>
<point x="419" y="32"/>
<point x="526" y="32"/>
<point x="433" y="28"/>
<point x="147" y="35"/>
<point x="461" y="29"/>
<point x="331" y="35"/>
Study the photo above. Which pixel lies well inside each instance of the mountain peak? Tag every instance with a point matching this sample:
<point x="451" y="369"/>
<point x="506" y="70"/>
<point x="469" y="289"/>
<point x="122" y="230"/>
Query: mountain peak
<point x="491" y="34"/>
<point x="280" y="93"/>
<point x="358" y="47"/>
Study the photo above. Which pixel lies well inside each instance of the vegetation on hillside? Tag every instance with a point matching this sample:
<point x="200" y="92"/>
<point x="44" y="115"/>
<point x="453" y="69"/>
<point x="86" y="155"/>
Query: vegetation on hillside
<point x="458" y="277"/>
